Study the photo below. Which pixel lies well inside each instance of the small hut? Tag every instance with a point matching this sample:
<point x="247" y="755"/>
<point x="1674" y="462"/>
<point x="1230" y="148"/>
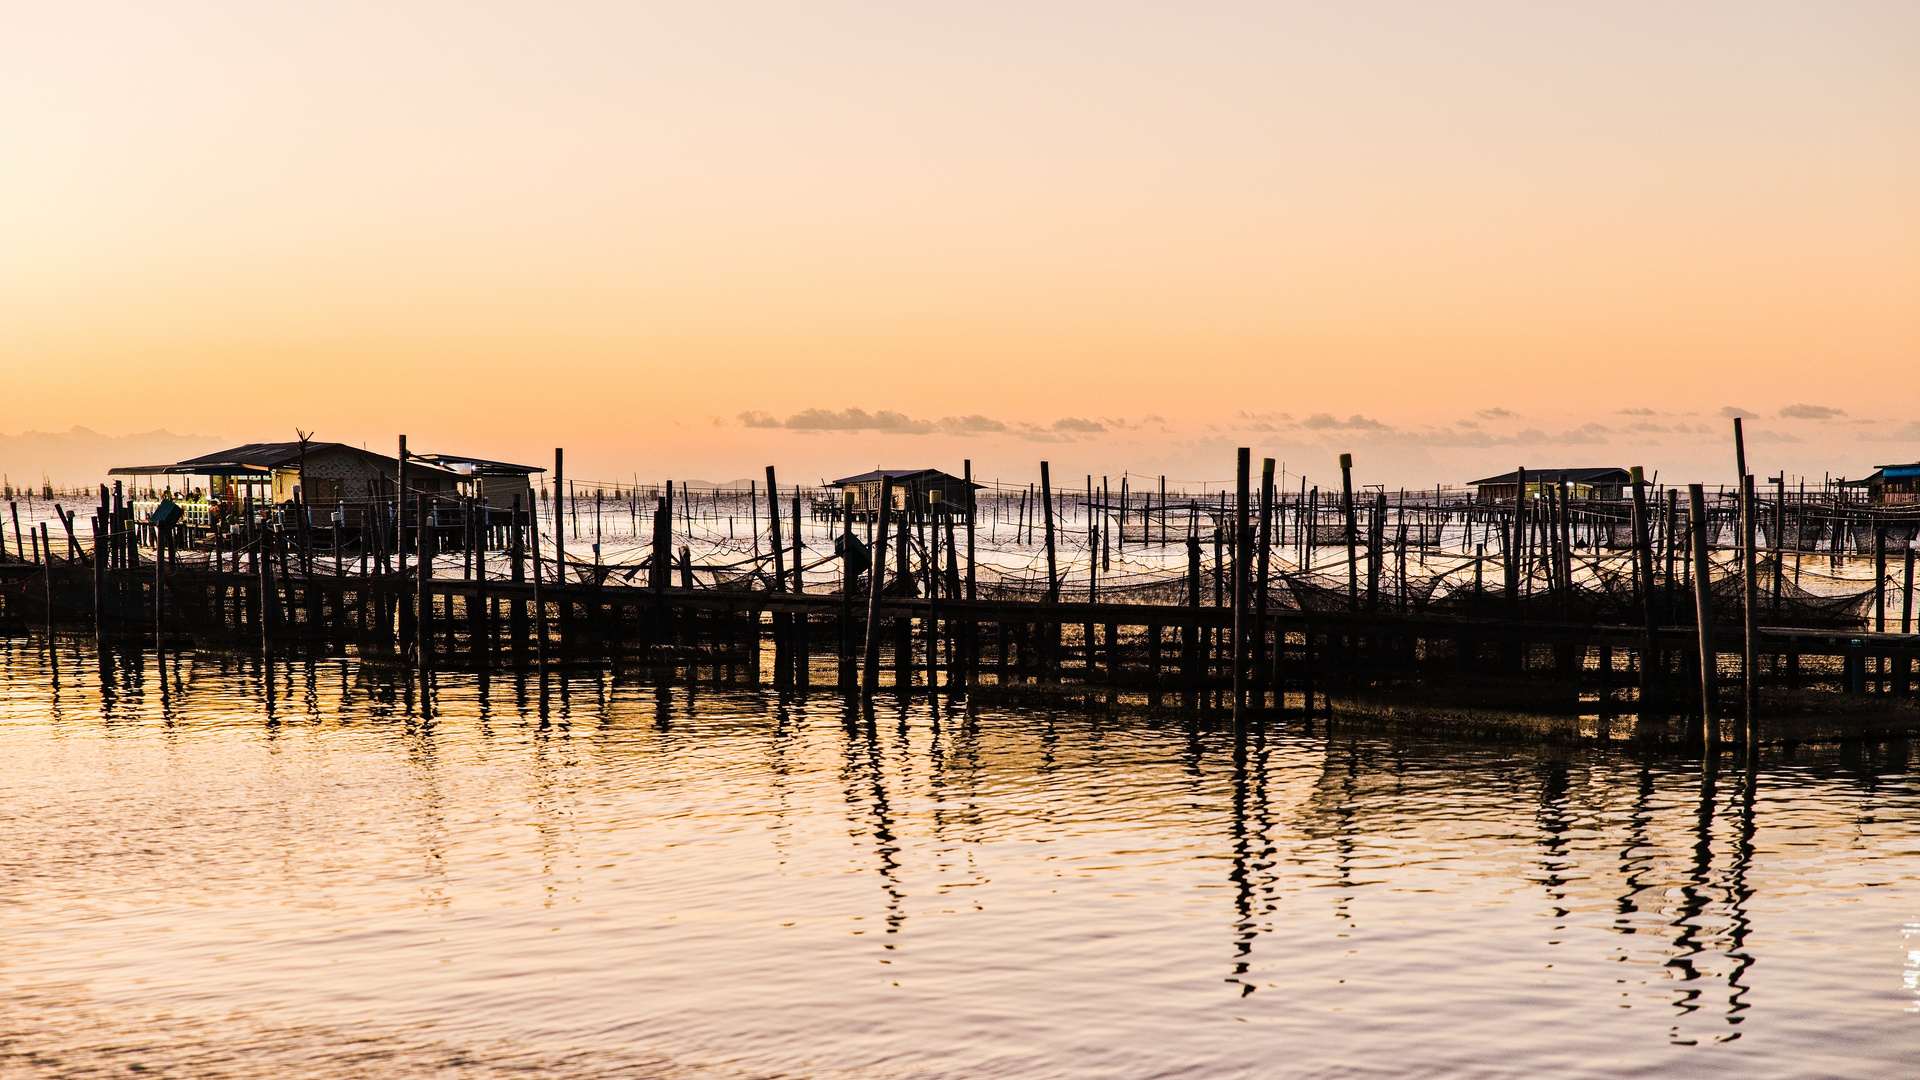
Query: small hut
<point x="1891" y="485"/>
<point x="1606" y="485"/>
<point x="324" y="475"/>
<point x="918" y="494"/>
<point x="496" y="483"/>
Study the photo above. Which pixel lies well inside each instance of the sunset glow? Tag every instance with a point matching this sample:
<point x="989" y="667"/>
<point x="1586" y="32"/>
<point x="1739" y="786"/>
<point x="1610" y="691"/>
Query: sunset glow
<point x="1440" y="234"/>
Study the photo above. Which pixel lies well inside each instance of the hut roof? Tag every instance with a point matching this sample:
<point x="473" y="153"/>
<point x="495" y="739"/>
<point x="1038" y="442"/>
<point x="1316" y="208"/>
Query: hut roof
<point x="1578" y="476"/>
<point x="898" y="474"/>
<point x="259" y="459"/>
<point x="481" y="466"/>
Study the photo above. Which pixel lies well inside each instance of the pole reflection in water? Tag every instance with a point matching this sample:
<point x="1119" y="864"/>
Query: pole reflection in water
<point x="278" y="868"/>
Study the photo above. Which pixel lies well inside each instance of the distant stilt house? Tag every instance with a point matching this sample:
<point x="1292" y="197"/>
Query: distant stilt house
<point x="1600" y="484"/>
<point x="496" y="483"/>
<point x="1890" y="485"/>
<point x="918" y="494"/>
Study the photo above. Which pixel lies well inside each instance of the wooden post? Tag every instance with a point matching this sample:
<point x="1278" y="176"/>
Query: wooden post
<point x="1265" y="556"/>
<point x="539" y="601"/>
<point x="399" y="507"/>
<point x="930" y="553"/>
<point x="1739" y="448"/>
<point x="1703" y="613"/>
<point x="848" y="676"/>
<point x="660" y="570"/>
<point x="1749" y="604"/>
<point x="956" y="648"/>
<point x="1904" y="681"/>
<point x="1376" y="544"/>
<point x="1242" y="618"/>
<point x="1516" y="547"/>
<point x="559" y="517"/>
<point x="1053" y="570"/>
<point x="870" y="673"/>
<point x="1643" y="581"/>
<point x="1353" y="533"/>
<point x="782" y="654"/>
<point x="1672" y="545"/>
<point x="423" y="563"/>
<point x="903" y="580"/>
<point x="773" y="523"/>
<point x="797" y="625"/>
<point x="100" y="555"/>
<point x="159" y="585"/>
<point x="1779" y="529"/>
<point x="1190" y="633"/>
<point x="970" y="661"/>
<point x="1880" y="578"/>
<point x="1049" y="631"/>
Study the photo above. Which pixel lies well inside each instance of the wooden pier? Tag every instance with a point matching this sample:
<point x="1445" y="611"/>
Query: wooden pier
<point x="1238" y="637"/>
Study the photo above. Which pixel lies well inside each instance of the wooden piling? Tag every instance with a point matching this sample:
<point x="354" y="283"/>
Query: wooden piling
<point x="870" y="671"/>
<point x="971" y="660"/>
<point x="423" y="564"/>
<point x="1749" y="604"/>
<point x="1353" y="532"/>
<point x="1264" y="546"/>
<point x="1242" y="616"/>
<point x="1643" y="582"/>
<point x="1703" y="615"/>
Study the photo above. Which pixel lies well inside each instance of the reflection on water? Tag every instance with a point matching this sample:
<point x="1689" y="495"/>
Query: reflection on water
<point x="219" y="868"/>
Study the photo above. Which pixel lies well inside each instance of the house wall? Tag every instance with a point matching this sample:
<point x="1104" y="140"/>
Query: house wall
<point x="335" y="474"/>
<point x="357" y="477"/>
<point x="499" y="491"/>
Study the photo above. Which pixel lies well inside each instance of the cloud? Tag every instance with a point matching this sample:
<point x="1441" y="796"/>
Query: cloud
<point x="973" y="424"/>
<point x="1811" y="412"/>
<point x="1765" y="436"/>
<point x="857" y="420"/>
<point x="1638" y="412"/>
<point x="1356" y="422"/>
<point x="893" y="422"/>
<point x="1733" y="411"/>
<point x="1905" y="433"/>
<point x="1252" y="421"/>
<point x="1466" y="423"/>
<point x="1496" y="414"/>
<point x="1076" y="424"/>
<point x="885" y="420"/>
<point x="1647" y="428"/>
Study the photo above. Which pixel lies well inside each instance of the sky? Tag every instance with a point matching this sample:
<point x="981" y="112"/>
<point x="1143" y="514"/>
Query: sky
<point x="692" y="240"/>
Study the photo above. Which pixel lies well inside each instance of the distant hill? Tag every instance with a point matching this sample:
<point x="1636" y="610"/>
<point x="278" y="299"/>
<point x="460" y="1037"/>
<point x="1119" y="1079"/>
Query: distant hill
<point x="82" y="456"/>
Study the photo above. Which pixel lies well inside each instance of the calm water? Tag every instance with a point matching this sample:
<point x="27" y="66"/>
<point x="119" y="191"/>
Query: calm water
<point x="207" y="873"/>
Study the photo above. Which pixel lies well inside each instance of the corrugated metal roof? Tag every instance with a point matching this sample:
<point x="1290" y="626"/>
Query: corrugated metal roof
<point x="251" y="458"/>
<point x="1578" y="476"/>
<point x="897" y="474"/>
<point x="482" y="465"/>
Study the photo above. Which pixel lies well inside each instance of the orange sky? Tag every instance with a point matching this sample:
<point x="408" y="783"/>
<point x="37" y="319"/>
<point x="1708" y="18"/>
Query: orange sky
<point x="1450" y="236"/>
